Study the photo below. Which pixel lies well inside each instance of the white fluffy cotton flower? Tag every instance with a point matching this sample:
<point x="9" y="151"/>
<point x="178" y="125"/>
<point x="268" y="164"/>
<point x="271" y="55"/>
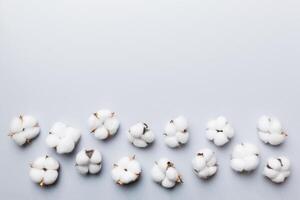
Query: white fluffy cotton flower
<point x="103" y="124"/>
<point x="270" y="130"/>
<point x="219" y="131"/>
<point x="44" y="170"/>
<point x="205" y="163"/>
<point x="165" y="173"/>
<point x="126" y="170"/>
<point x="140" y="135"/>
<point x="245" y="157"/>
<point x="63" y="138"/>
<point x="277" y="169"/>
<point x="23" y="129"/>
<point x="176" y="133"/>
<point x="88" y="161"/>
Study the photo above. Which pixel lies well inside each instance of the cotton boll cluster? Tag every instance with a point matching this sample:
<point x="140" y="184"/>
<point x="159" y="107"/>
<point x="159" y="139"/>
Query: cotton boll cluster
<point x="89" y="161"/>
<point x="205" y="163"/>
<point x="63" y="138"/>
<point x="219" y="131"/>
<point x="176" y="132"/>
<point x="245" y="157"/>
<point x="270" y="130"/>
<point x="277" y="169"/>
<point x="44" y="170"/>
<point x="23" y="129"/>
<point x="126" y="170"/>
<point x="140" y="135"/>
<point x="165" y="173"/>
<point x="103" y="124"/>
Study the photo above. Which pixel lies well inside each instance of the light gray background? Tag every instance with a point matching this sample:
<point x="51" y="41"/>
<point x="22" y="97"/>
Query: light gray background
<point x="61" y="60"/>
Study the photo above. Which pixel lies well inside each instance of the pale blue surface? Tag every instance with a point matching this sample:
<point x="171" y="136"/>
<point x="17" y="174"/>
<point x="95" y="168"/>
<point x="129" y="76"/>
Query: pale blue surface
<point x="61" y="60"/>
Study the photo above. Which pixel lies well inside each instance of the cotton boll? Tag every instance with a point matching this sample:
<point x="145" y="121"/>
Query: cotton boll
<point x="176" y="133"/>
<point x="63" y="138"/>
<point x="205" y="163"/>
<point x="140" y="135"/>
<point x="245" y="157"/>
<point x="126" y="170"/>
<point x="270" y="130"/>
<point x="165" y="173"/>
<point x="88" y="161"/>
<point x="44" y="170"/>
<point x="219" y="131"/>
<point x="277" y="169"/>
<point x="23" y="129"/>
<point x="103" y="124"/>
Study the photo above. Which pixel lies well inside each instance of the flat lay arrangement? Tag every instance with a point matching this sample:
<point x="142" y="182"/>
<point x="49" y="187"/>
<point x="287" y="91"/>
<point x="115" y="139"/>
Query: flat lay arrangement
<point x="104" y="123"/>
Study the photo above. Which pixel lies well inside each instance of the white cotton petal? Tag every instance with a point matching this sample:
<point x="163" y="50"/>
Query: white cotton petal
<point x="16" y="125"/>
<point x="52" y="140"/>
<point x="270" y="173"/>
<point x="32" y="133"/>
<point x="276" y="139"/>
<point x="29" y="121"/>
<point x="50" y="177"/>
<point x="180" y="123"/>
<point x="19" y="138"/>
<point x="210" y="134"/>
<point x="123" y="162"/>
<point x="83" y="169"/>
<point x="168" y="183"/>
<point x="112" y="125"/>
<point x="116" y="174"/>
<point x="170" y="129"/>
<point x="36" y="175"/>
<point x="171" y="141"/>
<point x="220" y="122"/>
<point x="51" y="163"/>
<point x="157" y="174"/>
<point x="198" y="163"/>
<point x="65" y="145"/>
<point x="172" y="174"/>
<point x="94" y="169"/>
<point x="182" y="137"/>
<point x="74" y="133"/>
<point x="101" y="133"/>
<point x="94" y="122"/>
<point x="237" y="165"/>
<point x="134" y="167"/>
<point x="148" y="137"/>
<point x="82" y="158"/>
<point x="139" y="143"/>
<point x="220" y="139"/>
<point x="39" y="163"/>
<point x="263" y="123"/>
<point x="137" y="130"/>
<point x="228" y="131"/>
<point x="96" y="157"/>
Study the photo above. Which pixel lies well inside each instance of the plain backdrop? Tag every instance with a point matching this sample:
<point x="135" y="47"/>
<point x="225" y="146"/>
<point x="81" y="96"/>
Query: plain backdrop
<point x="62" y="60"/>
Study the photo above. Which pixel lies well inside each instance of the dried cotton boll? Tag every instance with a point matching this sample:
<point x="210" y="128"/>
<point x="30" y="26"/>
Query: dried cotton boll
<point x="277" y="169"/>
<point x="245" y="157"/>
<point x="23" y="129"/>
<point x="126" y="170"/>
<point x="140" y="135"/>
<point x="88" y="161"/>
<point x="44" y="170"/>
<point x="103" y="124"/>
<point x="165" y="173"/>
<point x="63" y="138"/>
<point x="219" y="131"/>
<point x="176" y="133"/>
<point x="205" y="163"/>
<point x="270" y="130"/>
